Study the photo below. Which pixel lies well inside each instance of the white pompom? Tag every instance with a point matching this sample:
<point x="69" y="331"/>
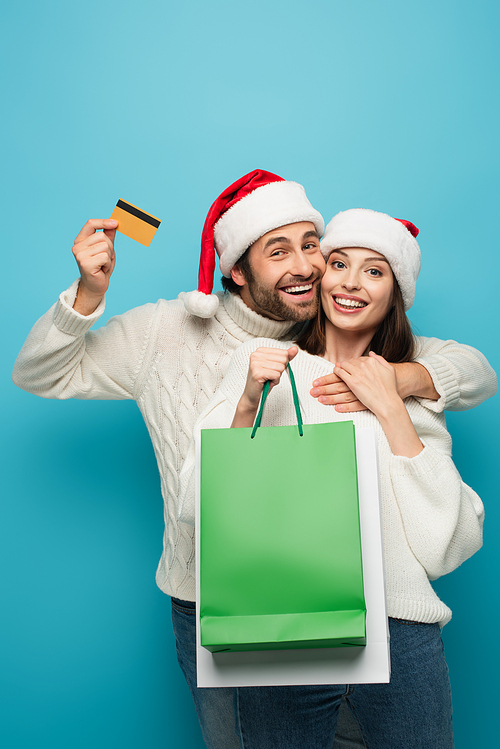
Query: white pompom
<point x="200" y="304"/>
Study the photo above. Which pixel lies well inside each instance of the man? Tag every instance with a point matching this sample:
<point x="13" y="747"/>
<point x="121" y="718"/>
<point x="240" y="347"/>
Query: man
<point x="171" y="357"/>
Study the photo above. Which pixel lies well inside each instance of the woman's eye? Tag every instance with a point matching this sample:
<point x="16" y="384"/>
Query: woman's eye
<point x="375" y="272"/>
<point x="338" y="264"/>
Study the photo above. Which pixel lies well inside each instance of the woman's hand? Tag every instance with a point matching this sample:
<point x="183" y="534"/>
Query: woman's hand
<point x="266" y="364"/>
<point x="373" y="381"/>
<point x="412" y="379"/>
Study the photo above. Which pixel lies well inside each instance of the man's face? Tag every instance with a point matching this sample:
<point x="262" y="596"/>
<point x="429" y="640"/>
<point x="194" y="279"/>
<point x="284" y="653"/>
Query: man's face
<point x="286" y="267"/>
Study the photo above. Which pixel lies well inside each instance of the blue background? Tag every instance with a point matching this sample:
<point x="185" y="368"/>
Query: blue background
<point x="385" y="105"/>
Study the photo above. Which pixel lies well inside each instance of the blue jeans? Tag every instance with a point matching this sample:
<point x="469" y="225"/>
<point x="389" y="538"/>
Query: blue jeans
<point x="215" y="707"/>
<point x="413" y="711"/>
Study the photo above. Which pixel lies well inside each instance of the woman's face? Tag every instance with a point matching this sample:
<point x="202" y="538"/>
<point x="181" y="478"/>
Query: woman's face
<point x="356" y="290"/>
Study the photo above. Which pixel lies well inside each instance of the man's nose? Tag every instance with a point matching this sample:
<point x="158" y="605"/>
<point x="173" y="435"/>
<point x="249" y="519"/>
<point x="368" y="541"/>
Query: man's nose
<point x="301" y="265"/>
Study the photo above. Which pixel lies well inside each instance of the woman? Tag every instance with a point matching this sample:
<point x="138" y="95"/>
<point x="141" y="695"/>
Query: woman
<point x="432" y="521"/>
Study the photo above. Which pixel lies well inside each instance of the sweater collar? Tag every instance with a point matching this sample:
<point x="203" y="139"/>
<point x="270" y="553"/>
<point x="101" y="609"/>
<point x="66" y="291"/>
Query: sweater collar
<point x="244" y="324"/>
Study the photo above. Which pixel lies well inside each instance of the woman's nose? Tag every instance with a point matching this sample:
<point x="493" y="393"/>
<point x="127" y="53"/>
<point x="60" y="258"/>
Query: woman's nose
<point x="351" y="281"/>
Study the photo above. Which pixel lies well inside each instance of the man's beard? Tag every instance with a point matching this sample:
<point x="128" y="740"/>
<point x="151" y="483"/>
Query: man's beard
<point x="269" y="302"/>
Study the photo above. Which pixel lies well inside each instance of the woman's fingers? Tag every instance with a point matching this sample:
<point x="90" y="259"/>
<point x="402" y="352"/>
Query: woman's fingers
<point x="371" y="379"/>
<point x="266" y="364"/>
<point x="261" y="374"/>
<point x="364" y="368"/>
<point x="274" y="359"/>
<point x="274" y="354"/>
<point x="381" y="360"/>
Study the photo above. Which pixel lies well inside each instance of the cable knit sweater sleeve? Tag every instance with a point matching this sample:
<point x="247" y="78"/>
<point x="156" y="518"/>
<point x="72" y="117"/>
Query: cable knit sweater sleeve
<point x="62" y="358"/>
<point x="461" y="374"/>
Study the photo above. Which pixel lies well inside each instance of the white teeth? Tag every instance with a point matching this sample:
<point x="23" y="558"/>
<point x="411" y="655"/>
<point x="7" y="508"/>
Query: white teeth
<point x="348" y="302"/>
<point x="294" y="289"/>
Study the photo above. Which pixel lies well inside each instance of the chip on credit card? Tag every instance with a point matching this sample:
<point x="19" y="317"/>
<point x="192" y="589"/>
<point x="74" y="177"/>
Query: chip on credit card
<point x="135" y="223"/>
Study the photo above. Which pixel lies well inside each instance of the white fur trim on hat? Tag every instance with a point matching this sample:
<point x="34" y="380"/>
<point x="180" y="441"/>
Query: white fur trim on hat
<point x="200" y="304"/>
<point x="266" y="208"/>
<point x="361" y="227"/>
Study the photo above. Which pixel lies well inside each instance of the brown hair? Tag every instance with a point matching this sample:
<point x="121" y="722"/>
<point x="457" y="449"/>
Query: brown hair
<point x="393" y="339"/>
<point x="244" y="265"/>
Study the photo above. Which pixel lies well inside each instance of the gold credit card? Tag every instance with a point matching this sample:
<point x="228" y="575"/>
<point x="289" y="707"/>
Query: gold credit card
<point x="135" y="223"/>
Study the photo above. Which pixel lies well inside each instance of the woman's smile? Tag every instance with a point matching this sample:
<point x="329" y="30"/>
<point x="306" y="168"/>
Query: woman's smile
<point x="347" y="303"/>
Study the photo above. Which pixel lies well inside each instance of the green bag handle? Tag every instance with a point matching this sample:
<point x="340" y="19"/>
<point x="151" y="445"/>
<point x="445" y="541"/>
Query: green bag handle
<point x="265" y="393"/>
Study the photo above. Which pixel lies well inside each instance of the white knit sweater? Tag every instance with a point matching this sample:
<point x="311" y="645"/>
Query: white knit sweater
<point x="172" y="363"/>
<point x="432" y="521"/>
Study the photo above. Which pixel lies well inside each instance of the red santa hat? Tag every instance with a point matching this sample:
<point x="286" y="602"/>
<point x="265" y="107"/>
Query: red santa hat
<point x="253" y="205"/>
<point x="394" y="238"/>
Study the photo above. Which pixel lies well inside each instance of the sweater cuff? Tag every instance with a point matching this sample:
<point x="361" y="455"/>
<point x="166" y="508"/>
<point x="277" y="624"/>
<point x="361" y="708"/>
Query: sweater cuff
<point x="428" y="461"/>
<point x="444" y="380"/>
<point x="68" y="320"/>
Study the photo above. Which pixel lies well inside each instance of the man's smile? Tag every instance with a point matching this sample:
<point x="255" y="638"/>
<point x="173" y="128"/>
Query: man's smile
<point x="297" y="290"/>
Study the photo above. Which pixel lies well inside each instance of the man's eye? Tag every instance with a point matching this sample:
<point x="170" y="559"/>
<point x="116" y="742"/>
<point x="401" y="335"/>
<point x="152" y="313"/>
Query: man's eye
<point x="310" y="245"/>
<point x="276" y="252"/>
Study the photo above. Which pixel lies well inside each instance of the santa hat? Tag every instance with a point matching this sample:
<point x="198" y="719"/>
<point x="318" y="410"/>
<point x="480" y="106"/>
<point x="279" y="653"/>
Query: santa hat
<point x="394" y="238"/>
<point x="253" y="205"/>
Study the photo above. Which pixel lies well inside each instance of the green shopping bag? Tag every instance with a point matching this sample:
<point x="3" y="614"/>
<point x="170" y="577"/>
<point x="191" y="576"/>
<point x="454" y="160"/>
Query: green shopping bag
<point x="280" y="549"/>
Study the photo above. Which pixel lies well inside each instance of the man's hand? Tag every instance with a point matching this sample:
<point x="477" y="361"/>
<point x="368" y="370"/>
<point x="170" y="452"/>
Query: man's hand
<point x="332" y="391"/>
<point x="95" y="254"/>
<point x="412" y="379"/>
